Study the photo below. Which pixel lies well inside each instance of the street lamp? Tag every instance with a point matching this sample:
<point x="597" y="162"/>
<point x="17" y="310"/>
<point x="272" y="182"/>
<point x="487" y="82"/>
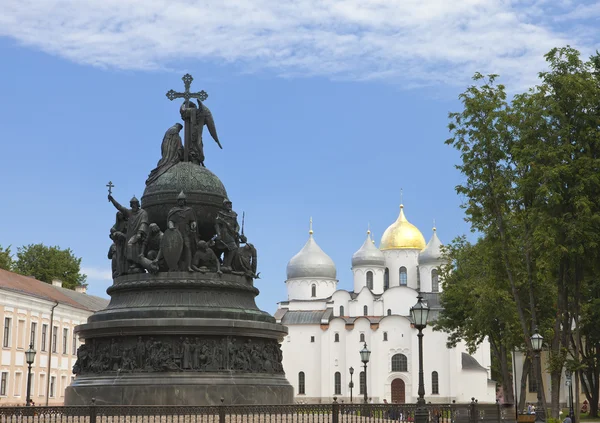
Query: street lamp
<point x="351" y="384"/>
<point x="364" y="357"/>
<point x="419" y="313"/>
<point x="536" y="343"/>
<point x="29" y="358"/>
<point x="570" y="385"/>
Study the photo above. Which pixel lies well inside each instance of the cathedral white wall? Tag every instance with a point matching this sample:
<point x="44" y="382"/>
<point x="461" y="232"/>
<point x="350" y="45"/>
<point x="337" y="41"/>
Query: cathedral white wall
<point x="360" y="278"/>
<point x="301" y="289"/>
<point x="399" y="299"/>
<point x="395" y="259"/>
<point x="425" y="277"/>
<point x="320" y="360"/>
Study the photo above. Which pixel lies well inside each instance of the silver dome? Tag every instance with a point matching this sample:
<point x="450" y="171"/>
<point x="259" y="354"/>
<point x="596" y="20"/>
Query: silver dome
<point x="432" y="251"/>
<point x="311" y="262"/>
<point x="368" y="254"/>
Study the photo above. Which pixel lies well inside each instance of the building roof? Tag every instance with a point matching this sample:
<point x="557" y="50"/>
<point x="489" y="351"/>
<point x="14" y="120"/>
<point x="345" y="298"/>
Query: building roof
<point x="368" y="254"/>
<point x="311" y="262"/>
<point x="470" y="363"/>
<point x="14" y="282"/>
<point x="402" y="235"/>
<point x="295" y="317"/>
<point x="433" y="251"/>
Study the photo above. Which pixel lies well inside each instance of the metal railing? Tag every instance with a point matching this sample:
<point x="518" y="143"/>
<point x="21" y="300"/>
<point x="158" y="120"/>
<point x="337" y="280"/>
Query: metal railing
<point x="294" y="413"/>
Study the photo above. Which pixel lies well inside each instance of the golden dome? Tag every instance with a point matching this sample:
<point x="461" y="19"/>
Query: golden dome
<point x="402" y="235"/>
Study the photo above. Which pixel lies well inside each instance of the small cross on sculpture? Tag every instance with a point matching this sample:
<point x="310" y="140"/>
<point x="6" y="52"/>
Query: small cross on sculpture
<point x="110" y="187"/>
<point x="186" y="95"/>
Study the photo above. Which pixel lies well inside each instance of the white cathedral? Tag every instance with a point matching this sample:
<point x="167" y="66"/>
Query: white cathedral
<point x="329" y="326"/>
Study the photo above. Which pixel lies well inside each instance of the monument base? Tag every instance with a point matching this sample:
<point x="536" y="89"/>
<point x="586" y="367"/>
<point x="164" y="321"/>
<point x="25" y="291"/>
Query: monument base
<point x="180" y="389"/>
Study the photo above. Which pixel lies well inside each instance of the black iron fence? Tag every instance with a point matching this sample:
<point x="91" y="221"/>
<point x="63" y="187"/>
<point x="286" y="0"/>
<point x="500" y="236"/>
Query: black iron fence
<point x="297" y="413"/>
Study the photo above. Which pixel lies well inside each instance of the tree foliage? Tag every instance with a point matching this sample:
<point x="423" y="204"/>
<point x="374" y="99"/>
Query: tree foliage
<point x="47" y="263"/>
<point x="6" y="260"/>
<point x="532" y="188"/>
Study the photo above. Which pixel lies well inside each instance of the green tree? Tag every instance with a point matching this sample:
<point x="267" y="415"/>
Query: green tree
<point x="532" y="170"/>
<point x="6" y="260"/>
<point x="477" y="304"/>
<point x="48" y="263"/>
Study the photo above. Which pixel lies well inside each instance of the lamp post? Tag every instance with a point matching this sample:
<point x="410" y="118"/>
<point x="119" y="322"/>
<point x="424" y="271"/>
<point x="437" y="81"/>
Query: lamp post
<point x="536" y="343"/>
<point x="29" y="358"/>
<point x="419" y="313"/>
<point x="570" y="385"/>
<point x="364" y="357"/>
<point x="351" y="384"/>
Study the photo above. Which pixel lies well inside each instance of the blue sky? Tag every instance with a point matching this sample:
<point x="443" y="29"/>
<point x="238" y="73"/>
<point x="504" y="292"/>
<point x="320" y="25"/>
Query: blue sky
<point x="324" y="109"/>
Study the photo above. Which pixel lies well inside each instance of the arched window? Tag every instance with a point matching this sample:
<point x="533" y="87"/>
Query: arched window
<point x="301" y="384"/>
<point x="435" y="384"/>
<point x="370" y="280"/>
<point x="362" y="383"/>
<point x="362" y="337"/>
<point x="385" y="336"/>
<point x="435" y="281"/>
<point x="337" y="383"/>
<point x="403" y="276"/>
<point x="336" y="337"/>
<point x="341" y="310"/>
<point x="389" y="312"/>
<point x="314" y="290"/>
<point x="386" y="279"/>
<point x="399" y="363"/>
<point x="365" y="311"/>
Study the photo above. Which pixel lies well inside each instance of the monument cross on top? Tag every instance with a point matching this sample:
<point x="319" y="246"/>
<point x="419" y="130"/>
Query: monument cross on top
<point x="186" y="94"/>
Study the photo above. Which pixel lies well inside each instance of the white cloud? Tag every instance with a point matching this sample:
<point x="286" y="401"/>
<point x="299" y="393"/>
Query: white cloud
<point x="411" y="42"/>
<point x="97" y="273"/>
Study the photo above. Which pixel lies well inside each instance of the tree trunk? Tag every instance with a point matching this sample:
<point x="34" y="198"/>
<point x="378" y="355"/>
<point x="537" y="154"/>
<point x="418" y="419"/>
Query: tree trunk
<point x="524" y="372"/>
<point x="507" y="380"/>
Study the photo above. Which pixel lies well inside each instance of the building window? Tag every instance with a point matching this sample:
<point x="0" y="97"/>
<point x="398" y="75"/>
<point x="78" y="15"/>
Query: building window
<point x="403" y="276"/>
<point x="370" y="280"/>
<point x="54" y="335"/>
<point x="301" y="383"/>
<point x="435" y="384"/>
<point x="313" y="291"/>
<point x="389" y="312"/>
<point x="365" y="311"/>
<point x="7" y="325"/>
<point x="362" y="337"/>
<point x="386" y="279"/>
<point x="17" y="391"/>
<point x="44" y="333"/>
<point x="362" y="383"/>
<point x="341" y="310"/>
<point x="3" y="383"/>
<point x="65" y="338"/>
<point x="336" y="337"/>
<point x="52" y="386"/>
<point x="399" y="363"/>
<point x="312" y="339"/>
<point x="385" y="336"/>
<point x="74" y="343"/>
<point x="337" y="383"/>
<point x="435" y="281"/>
<point x="42" y="385"/>
<point x="32" y="335"/>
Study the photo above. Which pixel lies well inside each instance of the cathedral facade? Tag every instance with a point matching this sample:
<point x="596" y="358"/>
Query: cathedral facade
<point x="329" y="326"/>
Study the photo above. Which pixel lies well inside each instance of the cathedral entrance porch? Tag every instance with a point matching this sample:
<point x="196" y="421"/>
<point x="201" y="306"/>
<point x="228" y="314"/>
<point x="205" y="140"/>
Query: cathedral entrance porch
<point x="398" y="391"/>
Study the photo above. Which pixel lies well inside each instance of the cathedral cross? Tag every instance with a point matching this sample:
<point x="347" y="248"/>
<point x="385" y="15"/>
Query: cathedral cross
<point x="186" y="95"/>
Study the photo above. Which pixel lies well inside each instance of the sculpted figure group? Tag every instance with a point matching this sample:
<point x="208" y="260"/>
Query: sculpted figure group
<point x="157" y="354"/>
<point x="139" y="246"/>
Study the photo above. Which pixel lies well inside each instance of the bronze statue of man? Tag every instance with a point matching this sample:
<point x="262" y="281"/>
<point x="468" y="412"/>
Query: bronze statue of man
<point x="205" y="259"/>
<point x="227" y="238"/>
<point x="137" y="231"/>
<point x="198" y="117"/>
<point x="171" y="152"/>
<point x="183" y="218"/>
<point x="117" y="252"/>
